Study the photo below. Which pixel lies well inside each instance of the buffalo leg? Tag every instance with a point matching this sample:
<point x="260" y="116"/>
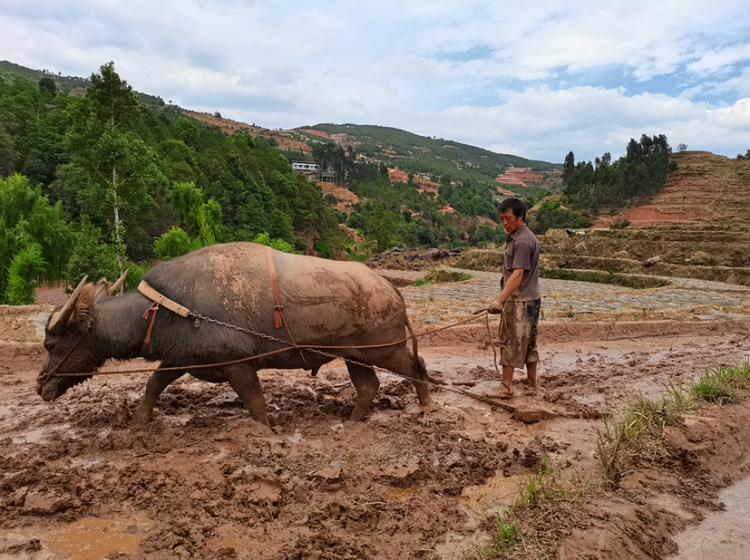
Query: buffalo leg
<point x="244" y="381"/>
<point x="402" y="361"/>
<point x="366" y="383"/>
<point x="158" y="381"/>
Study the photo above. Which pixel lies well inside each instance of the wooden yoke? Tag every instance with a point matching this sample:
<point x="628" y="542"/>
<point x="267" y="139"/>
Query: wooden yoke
<point x="162" y="300"/>
<point x="278" y="317"/>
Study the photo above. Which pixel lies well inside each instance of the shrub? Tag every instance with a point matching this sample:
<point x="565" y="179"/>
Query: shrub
<point x="324" y="248"/>
<point x="91" y="257"/>
<point x="278" y="244"/>
<point x="620" y="224"/>
<point x="552" y="214"/>
<point x="25" y="267"/>
<point x="175" y="243"/>
<point x="135" y="273"/>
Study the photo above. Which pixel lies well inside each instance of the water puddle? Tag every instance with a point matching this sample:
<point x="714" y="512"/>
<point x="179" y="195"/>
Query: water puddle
<point x="394" y="493"/>
<point x="490" y="499"/>
<point x="90" y="538"/>
<point x="39" y="435"/>
<point x="722" y="535"/>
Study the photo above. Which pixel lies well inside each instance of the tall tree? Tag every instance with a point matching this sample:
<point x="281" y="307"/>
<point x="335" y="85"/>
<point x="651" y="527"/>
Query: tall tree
<point x="123" y="170"/>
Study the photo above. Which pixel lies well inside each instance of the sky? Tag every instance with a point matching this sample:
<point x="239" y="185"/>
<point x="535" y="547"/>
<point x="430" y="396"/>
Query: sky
<point x="536" y="79"/>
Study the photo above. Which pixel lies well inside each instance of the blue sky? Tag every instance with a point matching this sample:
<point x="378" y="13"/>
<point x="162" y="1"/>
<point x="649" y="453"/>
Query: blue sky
<point x="536" y="80"/>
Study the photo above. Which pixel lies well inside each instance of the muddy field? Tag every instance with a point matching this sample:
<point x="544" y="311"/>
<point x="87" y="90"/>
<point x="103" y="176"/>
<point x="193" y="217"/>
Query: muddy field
<point x="203" y="480"/>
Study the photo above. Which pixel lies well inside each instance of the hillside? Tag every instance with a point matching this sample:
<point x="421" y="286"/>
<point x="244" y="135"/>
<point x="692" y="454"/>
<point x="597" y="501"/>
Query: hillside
<point x="434" y="156"/>
<point x="705" y="188"/>
<point x="698" y="226"/>
<point x="72" y="85"/>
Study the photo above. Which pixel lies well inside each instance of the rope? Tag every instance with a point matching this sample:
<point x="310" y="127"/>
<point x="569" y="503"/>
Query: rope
<point x="314" y="349"/>
<point x="308" y="347"/>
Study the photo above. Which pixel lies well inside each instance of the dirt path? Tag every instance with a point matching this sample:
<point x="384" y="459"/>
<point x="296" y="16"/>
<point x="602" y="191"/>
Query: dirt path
<point x="203" y="480"/>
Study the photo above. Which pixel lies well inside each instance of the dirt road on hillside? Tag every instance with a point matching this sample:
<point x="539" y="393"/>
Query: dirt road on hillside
<point x="204" y="480"/>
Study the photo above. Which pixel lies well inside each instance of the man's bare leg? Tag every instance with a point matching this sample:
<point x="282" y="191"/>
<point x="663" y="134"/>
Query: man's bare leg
<point x="505" y="389"/>
<point x="531" y="374"/>
<point x="531" y="378"/>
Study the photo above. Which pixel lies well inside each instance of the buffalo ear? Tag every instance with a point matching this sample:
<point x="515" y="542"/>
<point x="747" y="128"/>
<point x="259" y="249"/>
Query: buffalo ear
<point x="102" y="289"/>
<point x="81" y="317"/>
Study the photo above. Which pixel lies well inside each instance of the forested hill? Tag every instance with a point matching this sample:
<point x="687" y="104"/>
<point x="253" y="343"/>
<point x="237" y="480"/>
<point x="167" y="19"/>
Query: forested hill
<point x="94" y="180"/>
<point x="422" y="154"/>
<point x="73" y="85"/>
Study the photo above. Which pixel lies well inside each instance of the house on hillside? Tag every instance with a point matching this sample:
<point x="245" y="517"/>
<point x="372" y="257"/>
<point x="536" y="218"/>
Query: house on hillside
<point x="312" y="171"/>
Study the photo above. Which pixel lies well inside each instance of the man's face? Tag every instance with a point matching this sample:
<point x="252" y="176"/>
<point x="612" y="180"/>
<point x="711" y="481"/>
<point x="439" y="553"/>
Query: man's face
<point x="510" y="222"/>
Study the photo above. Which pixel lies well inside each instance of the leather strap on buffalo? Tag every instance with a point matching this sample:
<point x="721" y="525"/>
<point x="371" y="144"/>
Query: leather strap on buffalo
<point x="162" y="300"/>
<point x="147" y="340"/>
<point x="277" y="314"/>
<point x="278" y="317"/>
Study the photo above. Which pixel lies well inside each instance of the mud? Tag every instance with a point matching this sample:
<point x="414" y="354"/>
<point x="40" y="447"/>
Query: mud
<point x="203" y="480"/>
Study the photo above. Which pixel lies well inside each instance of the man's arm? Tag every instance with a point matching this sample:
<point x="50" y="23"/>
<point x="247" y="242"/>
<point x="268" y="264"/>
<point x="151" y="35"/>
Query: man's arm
<point x="510" y="286"/>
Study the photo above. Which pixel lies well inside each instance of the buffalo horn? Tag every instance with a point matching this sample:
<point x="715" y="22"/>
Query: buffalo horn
<point x="63" y="316"/>
<point x="117" y="286"/>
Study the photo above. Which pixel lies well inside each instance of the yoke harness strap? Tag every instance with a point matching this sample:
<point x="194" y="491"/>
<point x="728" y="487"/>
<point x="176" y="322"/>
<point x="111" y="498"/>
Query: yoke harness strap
<point x="147" y="340"/>
<point x="277" y="313"/>
<point x="158" y="299"/>
<point x="162" y="300"/>
<point x="275" y="288"/>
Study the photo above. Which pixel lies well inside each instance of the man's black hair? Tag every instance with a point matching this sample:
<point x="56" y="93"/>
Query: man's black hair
<point x="518" y="208"/>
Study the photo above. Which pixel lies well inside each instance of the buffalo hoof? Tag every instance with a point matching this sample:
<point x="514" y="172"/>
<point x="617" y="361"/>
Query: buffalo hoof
<point x="141" y="419"/>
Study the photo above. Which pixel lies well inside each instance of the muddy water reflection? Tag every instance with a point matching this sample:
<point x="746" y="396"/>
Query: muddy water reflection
<point x="721" y="536"/>
<point x="85" y="539"/>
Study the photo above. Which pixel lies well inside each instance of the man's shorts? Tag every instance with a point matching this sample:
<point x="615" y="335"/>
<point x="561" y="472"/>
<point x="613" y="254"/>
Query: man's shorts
<point x="519" y="323"/>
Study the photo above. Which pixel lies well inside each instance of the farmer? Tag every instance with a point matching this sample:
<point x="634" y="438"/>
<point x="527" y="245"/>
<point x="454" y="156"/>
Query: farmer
<point x="519" y="301"/>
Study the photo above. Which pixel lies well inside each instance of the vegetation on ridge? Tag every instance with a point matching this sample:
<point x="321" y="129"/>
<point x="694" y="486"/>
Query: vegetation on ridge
<point x="129" y="182"/>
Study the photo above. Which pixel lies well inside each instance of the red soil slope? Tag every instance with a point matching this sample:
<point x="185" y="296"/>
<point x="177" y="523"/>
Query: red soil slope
<point x="705" y="187"/>
<point x="283" y="137"/>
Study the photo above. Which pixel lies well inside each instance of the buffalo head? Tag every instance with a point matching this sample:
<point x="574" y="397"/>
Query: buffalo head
<point x="65" y="339"/>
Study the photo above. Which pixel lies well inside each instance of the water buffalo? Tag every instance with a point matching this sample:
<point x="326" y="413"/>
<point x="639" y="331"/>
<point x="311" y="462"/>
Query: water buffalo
<point x="325" y="303"/>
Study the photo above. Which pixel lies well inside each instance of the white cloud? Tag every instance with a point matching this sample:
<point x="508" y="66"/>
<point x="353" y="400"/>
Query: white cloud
<point x="546" y="124"/>
<point x="284" y="64"/>
<point x="719" y="59"/>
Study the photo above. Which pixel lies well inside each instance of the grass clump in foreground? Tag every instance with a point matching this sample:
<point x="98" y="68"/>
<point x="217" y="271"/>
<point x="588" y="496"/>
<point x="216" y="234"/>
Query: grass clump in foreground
<point x="543" y="494"/>
<point x="636" y="432"/>
<point x="633" y="435"/>
<point x="438" y="275"/>
<point x="723" y="384"/>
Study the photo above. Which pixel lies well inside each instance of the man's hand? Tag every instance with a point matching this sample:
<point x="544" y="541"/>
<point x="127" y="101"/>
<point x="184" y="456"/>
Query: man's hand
<point x="496" y="306"/>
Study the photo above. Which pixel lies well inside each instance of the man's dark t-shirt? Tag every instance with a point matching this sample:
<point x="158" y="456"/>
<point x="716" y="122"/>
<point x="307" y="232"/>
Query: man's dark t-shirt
<point x="522" y="251"/>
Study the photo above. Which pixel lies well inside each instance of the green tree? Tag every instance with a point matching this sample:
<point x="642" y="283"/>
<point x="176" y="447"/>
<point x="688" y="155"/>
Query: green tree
<point x="91" y="256"/>
<point x="27" y="221"/>
<point x="202" y="219"/>
<point x="8" y="154"/>
<point x="48" y="86"/>
<point x="384" y="227"/>
<point x="331" y="199"/>
<point x="278" y="244"/>
<point x="123" y="170"/>
<point x="175" y="243"/>
<point x="25" y="268"/>
<point x="569" y="166"/>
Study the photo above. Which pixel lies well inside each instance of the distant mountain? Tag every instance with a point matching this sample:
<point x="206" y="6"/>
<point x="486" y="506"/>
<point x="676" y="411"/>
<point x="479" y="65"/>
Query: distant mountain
<point x="422" y="154"/>
<point x="431" y="157"/>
